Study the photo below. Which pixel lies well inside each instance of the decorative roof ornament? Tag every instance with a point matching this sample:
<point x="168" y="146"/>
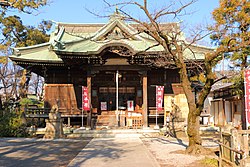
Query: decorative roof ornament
<point x="117" y="10"/>
<point x="116" y="15"/>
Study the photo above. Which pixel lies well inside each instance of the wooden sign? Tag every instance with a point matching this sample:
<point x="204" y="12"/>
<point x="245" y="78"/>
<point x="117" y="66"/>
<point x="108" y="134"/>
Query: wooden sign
<point x="103" y="106"/>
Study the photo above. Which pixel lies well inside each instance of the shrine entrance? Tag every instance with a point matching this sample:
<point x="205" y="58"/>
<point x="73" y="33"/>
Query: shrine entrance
<point x="107" y="97"/>
<point x="104" y="97"/>
<point x="104" y="90"/>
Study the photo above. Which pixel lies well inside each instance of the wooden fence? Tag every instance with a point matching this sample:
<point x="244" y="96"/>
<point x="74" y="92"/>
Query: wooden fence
<point x="234" y="148"/>
<point x="63" y="95"/>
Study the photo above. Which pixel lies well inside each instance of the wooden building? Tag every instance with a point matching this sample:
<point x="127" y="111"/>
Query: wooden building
<point x="226" y="106"/>
<point x="91" y="54"/>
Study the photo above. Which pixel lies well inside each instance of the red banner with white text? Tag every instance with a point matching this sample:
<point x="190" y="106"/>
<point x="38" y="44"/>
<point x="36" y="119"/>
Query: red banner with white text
<point x="159" y="97"/>
<point x="247" y="94"/>
<point x="85" y="98"/>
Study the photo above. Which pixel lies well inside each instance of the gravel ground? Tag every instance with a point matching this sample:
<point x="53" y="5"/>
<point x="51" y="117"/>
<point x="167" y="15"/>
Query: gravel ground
<point x="169" y="152"/>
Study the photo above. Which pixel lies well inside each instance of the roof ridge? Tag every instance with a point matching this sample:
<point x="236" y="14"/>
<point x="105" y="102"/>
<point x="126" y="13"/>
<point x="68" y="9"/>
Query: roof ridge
<point x="79" y="24"/>
<point x="32" y="46"/>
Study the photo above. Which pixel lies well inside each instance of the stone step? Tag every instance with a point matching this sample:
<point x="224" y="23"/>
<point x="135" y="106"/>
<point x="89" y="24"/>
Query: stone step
<point x="111" y="133"/>
<point x="101" y="124"/>
<point x="108" y="113"/>
<point x="79" y="135"/>
<point x="105" y="132"/>
<point x="106" y="120"/>
<point x="105" y="116"/>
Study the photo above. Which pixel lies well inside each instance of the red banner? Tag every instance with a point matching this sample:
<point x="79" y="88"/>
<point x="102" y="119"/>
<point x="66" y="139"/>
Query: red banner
<point x="159" y="97"/>
<point x="130" y="105"/>
<point x="85" y="98"/>
<point x="247" y="94"/>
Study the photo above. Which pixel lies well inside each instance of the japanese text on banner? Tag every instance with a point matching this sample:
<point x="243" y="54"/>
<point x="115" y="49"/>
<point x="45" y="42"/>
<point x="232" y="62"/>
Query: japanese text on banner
<point x="159" y="97"/>
<point x="247" y="94"/>
<point x="85" y="98"/>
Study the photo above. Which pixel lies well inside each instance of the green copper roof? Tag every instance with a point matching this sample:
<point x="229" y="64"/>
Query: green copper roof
<point x="92" y="39"/>
<point x="37" y="53"/>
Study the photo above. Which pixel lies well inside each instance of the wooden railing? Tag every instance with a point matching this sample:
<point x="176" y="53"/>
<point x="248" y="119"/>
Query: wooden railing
<point x="234" y="147"/>
<point x="34" y="111"/>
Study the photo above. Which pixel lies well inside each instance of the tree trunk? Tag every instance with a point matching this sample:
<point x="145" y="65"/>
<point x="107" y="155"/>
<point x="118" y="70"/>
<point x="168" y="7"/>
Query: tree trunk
<point x="193" y="129"/>
<point x="193" y="132"/>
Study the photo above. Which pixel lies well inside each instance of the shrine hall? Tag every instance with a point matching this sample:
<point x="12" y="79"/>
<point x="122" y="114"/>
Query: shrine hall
<point x="114" y="61"/>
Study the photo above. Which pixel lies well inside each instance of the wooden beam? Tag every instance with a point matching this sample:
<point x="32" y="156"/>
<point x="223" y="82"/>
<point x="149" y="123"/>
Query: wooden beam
<point x="119" y="67"/>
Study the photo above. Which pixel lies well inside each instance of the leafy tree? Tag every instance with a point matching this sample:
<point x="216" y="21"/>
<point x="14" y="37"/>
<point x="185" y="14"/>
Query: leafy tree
<point x="21" y="5"/>
<point x="13" y="79"/>
<point x="16" y="34"/>
<point x="174" y="45"/>
<point x="232" y="19"/>
<point x="231" y="28"/>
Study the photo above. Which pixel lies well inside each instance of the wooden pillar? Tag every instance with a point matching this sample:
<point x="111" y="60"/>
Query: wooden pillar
<point x="245" y="145"/>
<point x="145" y="99"/>
<point x="69" y="75"/>
<point x="89" y="92"/>
<point x="45" y="74"/>
<point x="224" y="113"/>
<point x="68" y="121"/>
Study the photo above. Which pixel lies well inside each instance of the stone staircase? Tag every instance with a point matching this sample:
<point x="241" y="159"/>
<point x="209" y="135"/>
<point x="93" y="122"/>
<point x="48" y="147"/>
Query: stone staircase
<point x="106" y="119"/>
<point x="113" y="133"/>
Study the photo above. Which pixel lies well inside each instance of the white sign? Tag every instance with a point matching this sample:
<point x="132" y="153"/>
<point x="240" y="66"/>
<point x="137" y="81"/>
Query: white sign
<point x="130" y="104"/>
<point x="103" y="106"/>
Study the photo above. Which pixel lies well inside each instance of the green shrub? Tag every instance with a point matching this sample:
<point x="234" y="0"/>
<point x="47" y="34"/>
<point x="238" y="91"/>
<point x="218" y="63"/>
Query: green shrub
<point x="11" y="125"/>
<point x="30" y="101"/>
<point x="211" y="162"/>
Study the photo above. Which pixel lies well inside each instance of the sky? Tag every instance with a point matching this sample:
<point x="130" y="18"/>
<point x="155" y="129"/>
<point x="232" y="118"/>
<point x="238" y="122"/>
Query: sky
<point x="74" y="11"/>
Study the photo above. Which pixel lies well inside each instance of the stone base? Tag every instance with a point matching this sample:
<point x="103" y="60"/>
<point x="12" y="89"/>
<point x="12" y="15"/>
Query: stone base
<point x="156" y="127"/>
<point x="79" y="130"/>
<point x="53" y="129"/>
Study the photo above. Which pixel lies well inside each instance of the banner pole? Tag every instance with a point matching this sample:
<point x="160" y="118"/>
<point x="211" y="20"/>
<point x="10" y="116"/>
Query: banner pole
<point x="246" y="96"/>
<point x="117" y="89"/>
<point x="82" y="104"/>
<point x="82" y="117"/>
<point x="156" y="123"/>
<point x="117" y="97"/>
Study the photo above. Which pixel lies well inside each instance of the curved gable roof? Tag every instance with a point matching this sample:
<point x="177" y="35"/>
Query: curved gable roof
<point x="85" y="39"/>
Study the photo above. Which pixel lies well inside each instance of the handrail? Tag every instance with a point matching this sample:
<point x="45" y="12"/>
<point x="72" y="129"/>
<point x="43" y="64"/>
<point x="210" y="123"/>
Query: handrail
<point x="32" y="110"/>
<point x="243" y="131"/>
<point x="237" y="151"/>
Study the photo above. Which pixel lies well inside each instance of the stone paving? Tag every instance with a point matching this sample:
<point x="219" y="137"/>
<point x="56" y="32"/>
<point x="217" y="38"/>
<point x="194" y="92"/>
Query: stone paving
<point x="119" y="152"/>
<point x="18" y="152"/>
<point x="98" y="152"/>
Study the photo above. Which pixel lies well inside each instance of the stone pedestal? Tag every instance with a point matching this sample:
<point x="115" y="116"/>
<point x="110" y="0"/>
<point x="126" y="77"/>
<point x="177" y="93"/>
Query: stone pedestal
<point x="54" y="127"/>
<point x="176" y="128"/>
